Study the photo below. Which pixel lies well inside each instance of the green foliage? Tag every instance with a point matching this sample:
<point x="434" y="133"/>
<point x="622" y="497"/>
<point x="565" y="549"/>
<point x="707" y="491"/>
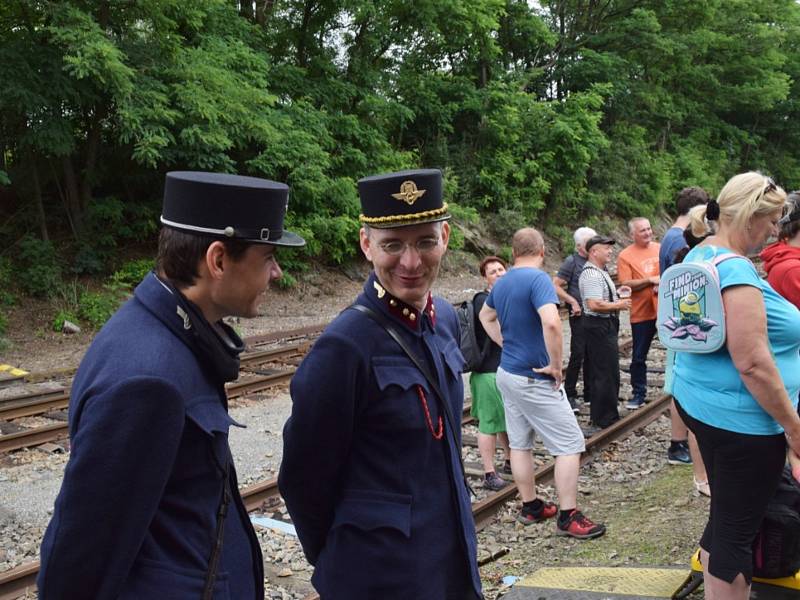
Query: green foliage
<point x="132" y="272"/>
<point x="61" y="316"/>
<point x="287" y="281"/>
<point x="109" y="223"/>
<point x="38" y="267"/>
<point x="97" y="307"/>
<point x="548" y="113"/>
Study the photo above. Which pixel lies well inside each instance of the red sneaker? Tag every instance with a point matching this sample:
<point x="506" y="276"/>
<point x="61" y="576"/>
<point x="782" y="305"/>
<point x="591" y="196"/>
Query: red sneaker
<point x="548" y="511"/>
<point x="579" y="526"/>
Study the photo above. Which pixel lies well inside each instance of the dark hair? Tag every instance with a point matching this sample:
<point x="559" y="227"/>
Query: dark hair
<point x="491" y="259"/>
<point x="690" y="197"/>
<point x="790" y="228"/>
<point x="180" y="252"/>
<point x="692" y="241"/>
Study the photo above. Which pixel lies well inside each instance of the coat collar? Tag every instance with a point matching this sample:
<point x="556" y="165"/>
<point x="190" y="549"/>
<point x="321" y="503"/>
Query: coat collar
<point x="404" y="313"/>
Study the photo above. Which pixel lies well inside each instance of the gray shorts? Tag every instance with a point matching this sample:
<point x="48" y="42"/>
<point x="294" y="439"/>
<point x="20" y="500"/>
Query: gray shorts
<point x="534" y="407"/>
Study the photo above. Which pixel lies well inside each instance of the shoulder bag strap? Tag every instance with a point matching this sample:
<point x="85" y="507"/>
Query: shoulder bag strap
<point x="432" y="381"/>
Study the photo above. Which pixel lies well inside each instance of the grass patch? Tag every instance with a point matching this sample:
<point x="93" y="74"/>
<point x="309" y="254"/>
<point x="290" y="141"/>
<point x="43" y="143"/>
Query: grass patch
<point x="657" y="522"/>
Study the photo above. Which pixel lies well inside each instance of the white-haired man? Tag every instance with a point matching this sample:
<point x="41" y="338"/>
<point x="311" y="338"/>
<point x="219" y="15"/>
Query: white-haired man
<point x="569" y="293"/>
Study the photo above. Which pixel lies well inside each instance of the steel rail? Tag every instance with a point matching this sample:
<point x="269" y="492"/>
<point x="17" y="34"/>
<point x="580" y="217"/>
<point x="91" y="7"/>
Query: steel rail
<point x="34" y="407"/>
<point x="37" y="403"/>
<point x="50" y="433"/>
<point x="255" y="340"/>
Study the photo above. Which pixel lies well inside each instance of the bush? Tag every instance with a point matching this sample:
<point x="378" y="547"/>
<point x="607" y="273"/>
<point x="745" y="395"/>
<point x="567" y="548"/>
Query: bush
<point x="286" y="282"/>
<point x="61" y="316"/>
<point x="132" y="272"/>
<point x="39" y="270"/>
<point x="97" y="307"/>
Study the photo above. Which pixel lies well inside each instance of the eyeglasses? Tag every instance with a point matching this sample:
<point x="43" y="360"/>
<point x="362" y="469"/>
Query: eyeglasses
<point x="396" y="247"/>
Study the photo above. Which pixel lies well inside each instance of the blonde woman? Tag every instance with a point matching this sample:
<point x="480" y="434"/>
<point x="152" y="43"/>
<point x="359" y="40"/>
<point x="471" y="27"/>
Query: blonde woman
<point x="740" y="401"/>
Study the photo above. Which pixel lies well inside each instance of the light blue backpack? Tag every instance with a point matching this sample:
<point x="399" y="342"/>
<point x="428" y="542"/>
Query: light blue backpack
<point x="691" y="316"/>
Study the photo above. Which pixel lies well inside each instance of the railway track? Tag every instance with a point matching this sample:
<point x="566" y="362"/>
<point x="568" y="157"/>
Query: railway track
<point x="34" y="404"/>
<point x="16" y="582"/>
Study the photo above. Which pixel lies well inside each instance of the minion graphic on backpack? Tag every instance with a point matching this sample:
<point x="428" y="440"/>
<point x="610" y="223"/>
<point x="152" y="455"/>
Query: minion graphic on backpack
<point x="689" y="309"/>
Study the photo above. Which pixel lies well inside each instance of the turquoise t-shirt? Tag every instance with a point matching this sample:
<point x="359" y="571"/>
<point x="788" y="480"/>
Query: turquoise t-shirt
<point x="709" y="387"/>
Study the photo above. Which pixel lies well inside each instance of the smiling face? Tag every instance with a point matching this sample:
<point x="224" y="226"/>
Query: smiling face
<point x="246" y="280"/>
<point x="642" y="232"/>
<point x="410" y="274"/>
<point x="601" y="254"/>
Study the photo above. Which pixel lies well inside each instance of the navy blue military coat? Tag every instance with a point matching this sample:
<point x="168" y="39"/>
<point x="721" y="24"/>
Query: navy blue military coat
<point x="136" y="514"/>
<point x="380" y="506"/>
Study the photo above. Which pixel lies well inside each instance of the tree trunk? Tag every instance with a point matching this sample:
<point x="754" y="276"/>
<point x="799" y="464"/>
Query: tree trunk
<point x="37" y="199"/>
<point x="308" y="8"/>
<point x="246" y="9"/>
<point x="92" y="146"/>
<point x="72" y="195"/>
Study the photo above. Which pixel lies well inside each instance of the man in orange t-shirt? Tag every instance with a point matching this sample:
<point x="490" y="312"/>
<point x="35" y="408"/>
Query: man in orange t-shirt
<point x="637" y="267"/>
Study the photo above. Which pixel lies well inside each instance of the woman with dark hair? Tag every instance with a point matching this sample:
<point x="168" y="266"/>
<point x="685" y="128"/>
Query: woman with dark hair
<point x="740" y="401"/>
<point x="782" y="259"/>
<point x="487" y="404"/>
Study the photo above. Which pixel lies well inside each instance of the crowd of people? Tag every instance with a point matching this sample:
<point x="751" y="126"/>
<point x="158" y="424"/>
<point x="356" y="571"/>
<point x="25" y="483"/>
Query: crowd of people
<point x="372" y="471"/>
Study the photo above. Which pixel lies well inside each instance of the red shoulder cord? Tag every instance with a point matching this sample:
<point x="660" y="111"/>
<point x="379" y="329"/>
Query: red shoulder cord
<point x="436" y="435"/>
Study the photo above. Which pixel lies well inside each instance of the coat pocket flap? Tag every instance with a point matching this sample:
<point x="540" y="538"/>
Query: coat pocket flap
<point x="210" y="416"/>
<point x="368" y="510"/>
<point x="397" y="372"/>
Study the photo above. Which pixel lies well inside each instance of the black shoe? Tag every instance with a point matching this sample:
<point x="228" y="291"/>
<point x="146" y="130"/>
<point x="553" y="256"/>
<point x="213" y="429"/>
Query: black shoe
<point x="506" y="468"/>
<point x="574" y="404"/>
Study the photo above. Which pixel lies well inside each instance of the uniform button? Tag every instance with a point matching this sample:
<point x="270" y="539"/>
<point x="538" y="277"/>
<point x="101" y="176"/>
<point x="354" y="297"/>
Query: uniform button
<point x="393" y="302"/>
<point x="405" y="312"/>
<point x="412" y="317"/>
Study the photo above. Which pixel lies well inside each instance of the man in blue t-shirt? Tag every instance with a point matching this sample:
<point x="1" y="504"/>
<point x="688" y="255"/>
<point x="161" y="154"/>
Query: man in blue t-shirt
<point x="672" y="242"/>
<point x="521" y="316"/>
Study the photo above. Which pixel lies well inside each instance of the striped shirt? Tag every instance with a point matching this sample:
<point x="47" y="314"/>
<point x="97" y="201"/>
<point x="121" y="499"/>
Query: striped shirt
<point x="596" y="284"/>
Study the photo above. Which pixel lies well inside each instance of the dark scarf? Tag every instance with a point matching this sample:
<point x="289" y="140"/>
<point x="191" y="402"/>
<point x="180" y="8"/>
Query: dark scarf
<point x="219" y="356"/>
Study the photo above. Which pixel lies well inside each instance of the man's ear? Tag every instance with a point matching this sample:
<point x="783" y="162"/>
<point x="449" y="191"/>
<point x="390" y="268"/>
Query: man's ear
<point x="445" y="233"/>
<point x="364" y="242"/>
<point x="215" y="259"/>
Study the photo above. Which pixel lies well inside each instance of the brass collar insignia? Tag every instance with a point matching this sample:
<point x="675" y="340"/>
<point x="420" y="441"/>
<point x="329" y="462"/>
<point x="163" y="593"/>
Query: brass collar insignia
<point x="409" y="192"/>
<point x="379" y="288"/>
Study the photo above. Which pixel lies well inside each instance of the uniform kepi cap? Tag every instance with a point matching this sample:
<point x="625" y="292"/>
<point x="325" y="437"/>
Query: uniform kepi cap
<point x="599" y="239"/>
<point x="402" y="199"/>
<point x="235" y="207"/>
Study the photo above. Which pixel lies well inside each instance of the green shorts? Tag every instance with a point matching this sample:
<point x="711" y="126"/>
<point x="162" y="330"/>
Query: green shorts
<point x="487" y="403"/>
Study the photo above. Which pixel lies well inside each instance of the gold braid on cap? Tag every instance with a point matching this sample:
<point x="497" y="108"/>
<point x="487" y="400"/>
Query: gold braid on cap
<point x="412" y="217"/>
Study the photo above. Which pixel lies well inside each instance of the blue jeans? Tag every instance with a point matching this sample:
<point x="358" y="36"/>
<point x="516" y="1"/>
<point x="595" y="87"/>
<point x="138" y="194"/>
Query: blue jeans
<point x="642" y="337"/>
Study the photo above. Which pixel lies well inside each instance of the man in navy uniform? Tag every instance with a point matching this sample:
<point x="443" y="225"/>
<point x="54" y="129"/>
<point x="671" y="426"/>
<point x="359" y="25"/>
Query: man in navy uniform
<point x="149" y="506"/>
<point x="371" y="470"/>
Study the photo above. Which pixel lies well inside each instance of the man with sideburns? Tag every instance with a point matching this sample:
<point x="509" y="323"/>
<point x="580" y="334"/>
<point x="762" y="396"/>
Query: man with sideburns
<point x="149" y="505"/>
